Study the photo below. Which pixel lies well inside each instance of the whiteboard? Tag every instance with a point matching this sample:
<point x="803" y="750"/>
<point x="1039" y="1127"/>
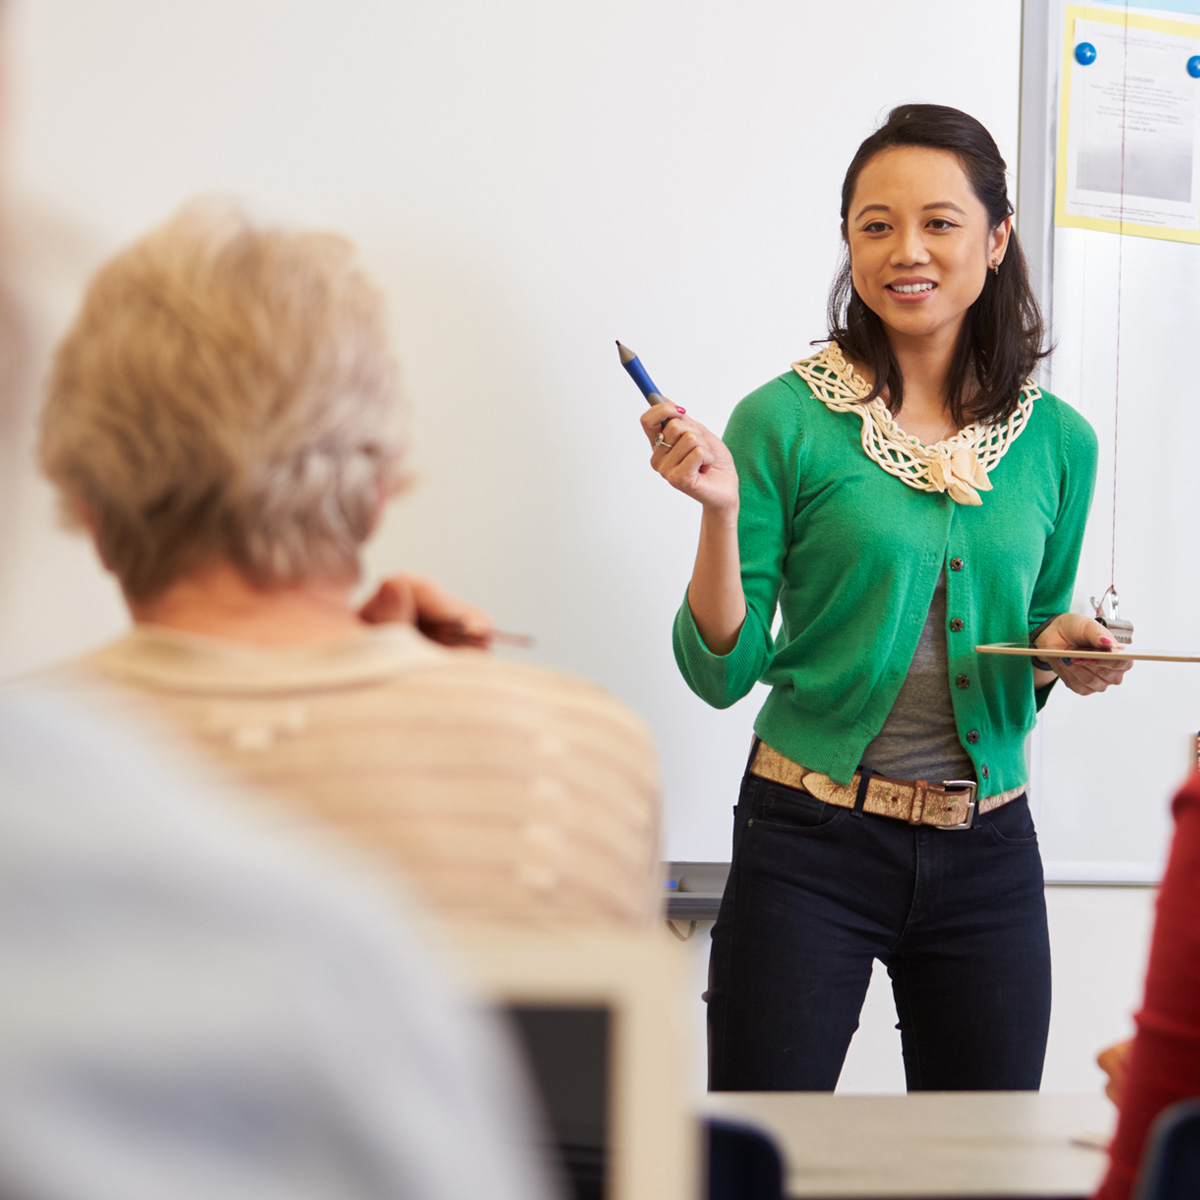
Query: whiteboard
<point x="1109" y="765"/>
<point x="530" y="180"/>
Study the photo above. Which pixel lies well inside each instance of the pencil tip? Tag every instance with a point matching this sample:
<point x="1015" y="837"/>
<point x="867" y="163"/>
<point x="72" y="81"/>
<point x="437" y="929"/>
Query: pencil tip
<point x="627" y="355"/>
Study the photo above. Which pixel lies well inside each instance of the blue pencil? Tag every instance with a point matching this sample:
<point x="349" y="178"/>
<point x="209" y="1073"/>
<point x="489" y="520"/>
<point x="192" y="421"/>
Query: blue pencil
<point x="637" y="373"/>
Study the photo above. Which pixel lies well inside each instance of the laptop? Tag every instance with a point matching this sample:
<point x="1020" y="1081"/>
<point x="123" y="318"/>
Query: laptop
<point x="599" y="1020"/>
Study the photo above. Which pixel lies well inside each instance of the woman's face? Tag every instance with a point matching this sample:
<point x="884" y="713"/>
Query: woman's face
<point x="920" y="244"/>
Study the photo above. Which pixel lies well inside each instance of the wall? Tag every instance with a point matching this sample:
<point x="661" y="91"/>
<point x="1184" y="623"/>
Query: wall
<point x="530" y="181"/>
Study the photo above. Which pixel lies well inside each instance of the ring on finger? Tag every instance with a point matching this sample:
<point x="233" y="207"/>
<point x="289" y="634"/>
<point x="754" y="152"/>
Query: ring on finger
<point x="661" y="441"/>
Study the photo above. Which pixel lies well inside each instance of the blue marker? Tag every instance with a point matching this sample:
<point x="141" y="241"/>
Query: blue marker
<point x="1194" y="66"/>
<point x="637" y="373"/>
<point x="1085" y="54"/>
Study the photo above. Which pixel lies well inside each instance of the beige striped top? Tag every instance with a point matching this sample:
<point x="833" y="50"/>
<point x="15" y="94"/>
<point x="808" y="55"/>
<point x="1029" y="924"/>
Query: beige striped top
<point x="502" y="791"/>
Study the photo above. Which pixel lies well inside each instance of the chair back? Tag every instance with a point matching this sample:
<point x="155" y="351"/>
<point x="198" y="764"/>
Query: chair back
<point x="1170" y="1167"/>
<point x="743" y="1163"/>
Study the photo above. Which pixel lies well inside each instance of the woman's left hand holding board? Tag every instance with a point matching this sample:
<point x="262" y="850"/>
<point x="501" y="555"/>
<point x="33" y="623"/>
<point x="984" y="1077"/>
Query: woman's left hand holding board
<point x="1084" y="675"/>
<point x="695" y="461"/>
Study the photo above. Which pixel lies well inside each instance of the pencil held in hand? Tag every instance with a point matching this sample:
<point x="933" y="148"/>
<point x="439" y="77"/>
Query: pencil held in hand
<point x="637" y="373"/>
<point x="438" y="615"/>
<point x="455" y="633"/>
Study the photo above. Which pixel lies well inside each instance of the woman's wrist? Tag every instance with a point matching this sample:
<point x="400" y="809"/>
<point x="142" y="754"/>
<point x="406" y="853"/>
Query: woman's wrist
<point x="720" y="516"/>
<point x="1040" y="664"/>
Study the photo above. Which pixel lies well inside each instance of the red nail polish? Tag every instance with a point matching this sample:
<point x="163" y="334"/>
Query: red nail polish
<point x="679" y="410"/>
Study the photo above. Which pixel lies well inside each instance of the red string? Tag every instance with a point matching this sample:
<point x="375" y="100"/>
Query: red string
<point x="1112" y="587"/>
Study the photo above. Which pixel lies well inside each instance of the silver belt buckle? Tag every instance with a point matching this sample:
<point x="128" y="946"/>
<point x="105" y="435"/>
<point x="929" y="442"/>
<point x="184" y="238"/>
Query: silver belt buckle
<point x="970" y="787"/>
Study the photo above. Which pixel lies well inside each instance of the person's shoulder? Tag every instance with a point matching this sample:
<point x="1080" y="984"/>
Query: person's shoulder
<point x="94" y="795"/>
<point x="1071" y="426"/>
<point x="1182" y="877"/>
<point x="521" y="687"/>
<point x="130" y="796"/>
<point x="169" y="661"/>
<point x="785" y="406"/>
<point x="1064" y="413"/>
<point x="784" y="393"/>
<point x="105" y="684"/>
<point x="784" y="390"/>
<point x="1187" y="802"/>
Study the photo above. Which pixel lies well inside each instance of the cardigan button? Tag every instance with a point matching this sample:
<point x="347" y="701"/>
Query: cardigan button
<point x="963" y="681"/>
<point x="973" y="736"/>
<point x="956" y="625"/>
<point x="956" y="564"/>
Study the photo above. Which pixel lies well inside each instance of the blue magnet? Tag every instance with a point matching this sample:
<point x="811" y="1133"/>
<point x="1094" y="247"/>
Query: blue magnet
<point x="1085" y="54"/>
<point x="1194" y="66"/>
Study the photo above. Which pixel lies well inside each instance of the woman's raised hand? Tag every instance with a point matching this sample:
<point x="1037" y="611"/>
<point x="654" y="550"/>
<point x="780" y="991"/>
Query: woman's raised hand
<point x="690" y="457"/>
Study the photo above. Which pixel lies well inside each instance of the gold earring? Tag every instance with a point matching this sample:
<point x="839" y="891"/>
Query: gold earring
<point x="996" y="268"/>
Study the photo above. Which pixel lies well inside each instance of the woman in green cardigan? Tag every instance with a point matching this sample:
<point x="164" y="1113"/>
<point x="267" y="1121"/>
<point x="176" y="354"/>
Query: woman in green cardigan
<point x="900" y="497"/>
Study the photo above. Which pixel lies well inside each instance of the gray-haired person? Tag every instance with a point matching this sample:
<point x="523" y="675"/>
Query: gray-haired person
<point x="196" y="1005"/>
<point x="225" y="417"/>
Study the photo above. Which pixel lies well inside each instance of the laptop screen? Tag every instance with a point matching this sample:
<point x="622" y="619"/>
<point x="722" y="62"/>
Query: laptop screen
<point x="597" y="1015"/>
<point x="567" y="1050"/>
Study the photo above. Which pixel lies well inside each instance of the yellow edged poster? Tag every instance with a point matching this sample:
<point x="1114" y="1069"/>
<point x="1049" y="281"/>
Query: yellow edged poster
<point x="1129" y="126"/>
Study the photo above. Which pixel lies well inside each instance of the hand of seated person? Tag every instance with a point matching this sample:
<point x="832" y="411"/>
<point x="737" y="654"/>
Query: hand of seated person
<point x="1114" y="1062"/>
<point x="434" y="611"/>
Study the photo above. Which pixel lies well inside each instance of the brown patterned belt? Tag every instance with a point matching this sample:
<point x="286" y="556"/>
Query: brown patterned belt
<point x="951" y="804"/>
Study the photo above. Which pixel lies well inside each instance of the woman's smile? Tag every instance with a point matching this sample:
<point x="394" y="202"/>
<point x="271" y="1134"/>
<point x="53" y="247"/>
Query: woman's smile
<point x="910" y="289"/>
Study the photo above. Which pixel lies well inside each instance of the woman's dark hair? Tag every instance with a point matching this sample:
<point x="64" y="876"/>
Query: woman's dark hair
<point x="1003" y="335"/>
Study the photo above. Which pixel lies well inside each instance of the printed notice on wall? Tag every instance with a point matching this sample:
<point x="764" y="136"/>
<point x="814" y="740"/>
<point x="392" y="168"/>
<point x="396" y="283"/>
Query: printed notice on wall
<point x="1129" y="131"/>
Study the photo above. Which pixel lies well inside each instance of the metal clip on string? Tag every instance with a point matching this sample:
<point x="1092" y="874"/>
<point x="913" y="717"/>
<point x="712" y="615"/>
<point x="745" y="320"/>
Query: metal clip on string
<point x="1121" y="629"/>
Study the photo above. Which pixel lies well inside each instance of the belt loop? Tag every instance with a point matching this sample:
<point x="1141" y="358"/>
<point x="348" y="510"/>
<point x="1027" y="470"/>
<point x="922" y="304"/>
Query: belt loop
<point x="864" y="782"/>
<point x="920" y="788"/>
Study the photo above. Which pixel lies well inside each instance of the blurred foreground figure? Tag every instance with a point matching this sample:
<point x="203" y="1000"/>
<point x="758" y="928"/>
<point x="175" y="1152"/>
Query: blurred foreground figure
<point x="193" y="1008"/>
<point x="1163" y="1064"/>
<point x="224" y="418"/>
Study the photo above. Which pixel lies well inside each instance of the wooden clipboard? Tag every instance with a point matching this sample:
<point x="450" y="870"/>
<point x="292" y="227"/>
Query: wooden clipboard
<point x="1021" y="650"/>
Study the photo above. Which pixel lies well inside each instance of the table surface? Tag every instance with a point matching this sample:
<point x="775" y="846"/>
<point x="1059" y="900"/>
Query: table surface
<point x="929" y="1144"/>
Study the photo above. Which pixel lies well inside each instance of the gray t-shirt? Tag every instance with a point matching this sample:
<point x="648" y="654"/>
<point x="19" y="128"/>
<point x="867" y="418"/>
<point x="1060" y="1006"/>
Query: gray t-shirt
<point x="919" y="739"/>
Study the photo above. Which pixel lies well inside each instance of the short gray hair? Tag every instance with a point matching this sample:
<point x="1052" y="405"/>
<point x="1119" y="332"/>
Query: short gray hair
<point x="227" y="393"/>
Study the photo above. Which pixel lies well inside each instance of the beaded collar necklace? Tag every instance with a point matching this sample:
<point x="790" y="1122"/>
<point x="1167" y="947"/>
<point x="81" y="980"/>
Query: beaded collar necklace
<point x="957" y="465"/>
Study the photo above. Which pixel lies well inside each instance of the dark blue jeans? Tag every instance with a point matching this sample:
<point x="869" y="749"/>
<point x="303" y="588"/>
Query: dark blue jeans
<point x="816" y="893"/>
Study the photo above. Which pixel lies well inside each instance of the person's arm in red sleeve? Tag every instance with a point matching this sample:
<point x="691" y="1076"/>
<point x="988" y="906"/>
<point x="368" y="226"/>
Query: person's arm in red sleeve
<point x="1164" y="1065"/>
